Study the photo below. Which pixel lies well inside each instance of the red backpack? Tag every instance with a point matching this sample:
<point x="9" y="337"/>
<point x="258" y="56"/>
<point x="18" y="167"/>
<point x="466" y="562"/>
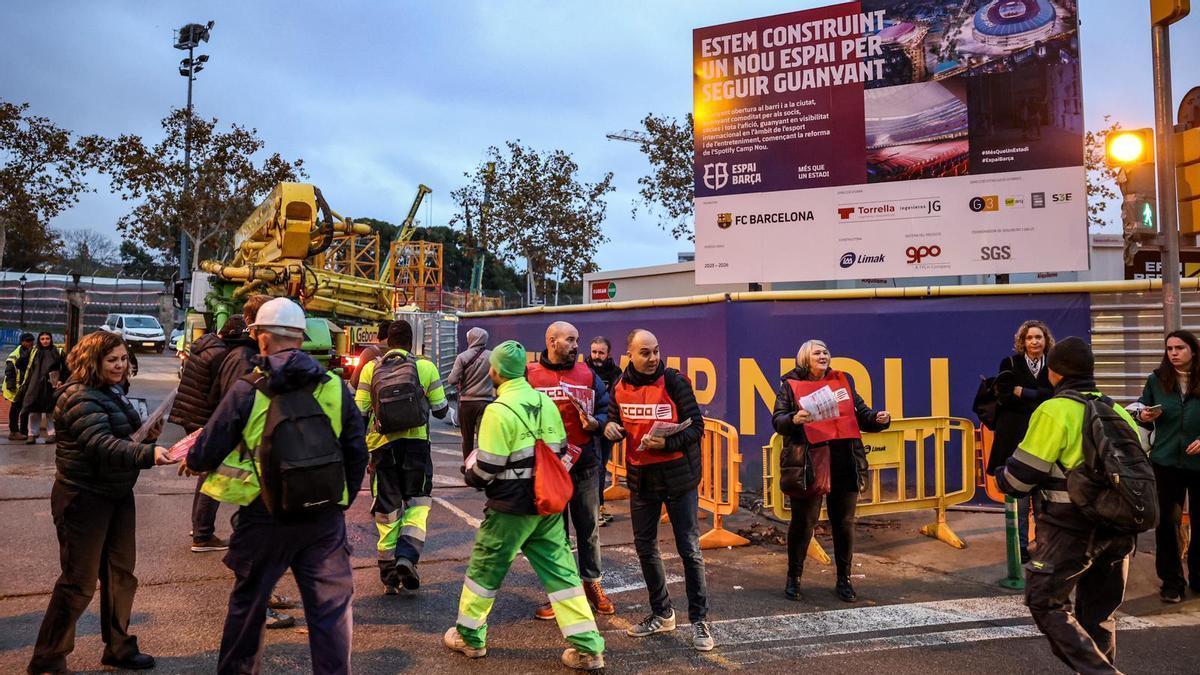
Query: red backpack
<point x="552" y="485"/>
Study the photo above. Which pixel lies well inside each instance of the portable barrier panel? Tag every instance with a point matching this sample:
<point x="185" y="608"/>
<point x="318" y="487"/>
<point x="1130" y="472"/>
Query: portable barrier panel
<point x="719" y="487"/>
<point x="911" y="469"/>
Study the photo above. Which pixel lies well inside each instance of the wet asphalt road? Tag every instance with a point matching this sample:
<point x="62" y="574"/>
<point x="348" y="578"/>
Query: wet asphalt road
<point x="925" y="608"/>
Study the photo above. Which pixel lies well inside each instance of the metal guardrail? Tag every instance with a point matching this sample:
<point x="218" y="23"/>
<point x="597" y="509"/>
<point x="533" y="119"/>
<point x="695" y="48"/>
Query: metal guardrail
<point x="719" y="487"/>
<point x="901" y="451"/>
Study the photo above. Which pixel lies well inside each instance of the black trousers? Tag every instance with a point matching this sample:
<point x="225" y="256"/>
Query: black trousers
<point x="1094" y="566"/>
<point x="1174" y="485"/>
<point x="805" y="512"/>
<point x="470" y="414"/>
<point x="17" y="423"/>
<point x="96" y="540"/>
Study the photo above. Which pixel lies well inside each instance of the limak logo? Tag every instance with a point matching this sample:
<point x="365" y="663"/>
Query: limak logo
<point x="849" y="258"/>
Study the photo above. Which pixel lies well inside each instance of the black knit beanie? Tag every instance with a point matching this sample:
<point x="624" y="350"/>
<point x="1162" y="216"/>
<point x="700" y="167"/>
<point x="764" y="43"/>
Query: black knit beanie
<point x="1072" y="357"/>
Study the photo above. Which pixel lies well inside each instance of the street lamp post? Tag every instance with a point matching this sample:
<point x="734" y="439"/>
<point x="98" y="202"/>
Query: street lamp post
<point x="188" y="38"/>
<point x="23" y="281"/>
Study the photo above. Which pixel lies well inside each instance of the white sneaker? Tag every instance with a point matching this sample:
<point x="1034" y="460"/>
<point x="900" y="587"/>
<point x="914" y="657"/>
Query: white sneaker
<point x="652" y="624"/>
<point x="702" y="639"/>
<point x="453" y="639"/>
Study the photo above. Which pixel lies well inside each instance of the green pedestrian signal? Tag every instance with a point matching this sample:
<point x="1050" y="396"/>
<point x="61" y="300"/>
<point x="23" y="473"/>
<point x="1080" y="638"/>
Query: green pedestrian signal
<point x="1147" y="215"/>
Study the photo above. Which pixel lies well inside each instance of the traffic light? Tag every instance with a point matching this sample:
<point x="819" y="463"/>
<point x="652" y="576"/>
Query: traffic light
<point x="1166" y="12"/>
<point x="1131" y="153"/>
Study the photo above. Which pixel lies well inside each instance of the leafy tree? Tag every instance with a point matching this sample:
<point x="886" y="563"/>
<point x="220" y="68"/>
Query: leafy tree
<point x="89" y="252"/>
<point x="541" y="210"/>
<point x="41" y="174"/>
<point x="227" y="183"/>
<point x="670" y="187"/>
<point x="137" y="261"/>
<point x="1101" y="178"/>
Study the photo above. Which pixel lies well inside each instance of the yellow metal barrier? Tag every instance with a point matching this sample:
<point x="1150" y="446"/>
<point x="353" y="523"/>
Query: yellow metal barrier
<point x="719" y="486"/>
<point x="903" y="450"/>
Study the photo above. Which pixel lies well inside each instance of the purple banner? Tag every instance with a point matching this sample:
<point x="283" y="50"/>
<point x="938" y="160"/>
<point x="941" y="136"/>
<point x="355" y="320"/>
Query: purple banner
<point x="912" y="357"/>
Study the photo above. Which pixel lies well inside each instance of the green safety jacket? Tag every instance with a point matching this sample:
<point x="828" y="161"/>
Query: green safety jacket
<point x="235" y="481"/>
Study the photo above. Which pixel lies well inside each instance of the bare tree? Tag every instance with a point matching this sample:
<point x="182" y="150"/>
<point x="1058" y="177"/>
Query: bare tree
<point x="88" y="251"/>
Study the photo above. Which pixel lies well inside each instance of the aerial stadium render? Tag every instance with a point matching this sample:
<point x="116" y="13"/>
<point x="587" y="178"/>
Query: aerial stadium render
<point x="1012" y="24"/>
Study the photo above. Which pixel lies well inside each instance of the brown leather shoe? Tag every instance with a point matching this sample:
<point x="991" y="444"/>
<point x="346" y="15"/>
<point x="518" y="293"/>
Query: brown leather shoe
<point x="545" y="612"/>
<point x="597" y="598"/>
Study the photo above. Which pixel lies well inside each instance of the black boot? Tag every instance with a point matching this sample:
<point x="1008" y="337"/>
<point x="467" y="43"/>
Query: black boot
<point x="844" y="590"/>
<point x="792" y="590"/>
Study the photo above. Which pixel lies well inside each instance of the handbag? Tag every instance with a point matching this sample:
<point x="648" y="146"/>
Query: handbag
<point x="985" y="404"/>
<point x="804" y="471"/>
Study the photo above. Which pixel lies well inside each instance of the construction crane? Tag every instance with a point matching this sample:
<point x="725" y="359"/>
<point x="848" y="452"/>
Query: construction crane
<point x="629" y="135"/>
<point x="274" y="248"/>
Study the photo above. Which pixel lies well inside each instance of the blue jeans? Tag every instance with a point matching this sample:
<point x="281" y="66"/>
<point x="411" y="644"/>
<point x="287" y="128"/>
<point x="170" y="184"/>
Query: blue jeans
<point x="644" y="511"/>
<point x="584" y="512"/>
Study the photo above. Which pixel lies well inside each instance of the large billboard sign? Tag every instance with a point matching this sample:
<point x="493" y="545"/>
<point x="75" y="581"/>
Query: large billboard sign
<point x="890" y="138"/>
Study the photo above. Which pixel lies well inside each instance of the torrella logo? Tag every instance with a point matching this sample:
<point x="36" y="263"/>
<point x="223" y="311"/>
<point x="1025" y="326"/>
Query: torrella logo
<point x="845" y="212"/>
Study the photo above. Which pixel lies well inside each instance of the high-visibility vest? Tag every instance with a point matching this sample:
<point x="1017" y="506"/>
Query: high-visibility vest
<point x="641" y="407"/>
<point x="235" y="481"/>
<point x="11" y="394"/>
<point x="561" y="386"/>
<point x="845" y="425"/>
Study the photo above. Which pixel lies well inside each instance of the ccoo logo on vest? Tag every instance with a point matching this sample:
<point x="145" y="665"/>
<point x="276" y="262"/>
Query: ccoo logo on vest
<point x="646" y="411"/>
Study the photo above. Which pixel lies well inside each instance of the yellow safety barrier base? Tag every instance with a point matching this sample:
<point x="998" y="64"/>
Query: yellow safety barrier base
<point x="719" y="487"/>
<point x="903" y="449"/>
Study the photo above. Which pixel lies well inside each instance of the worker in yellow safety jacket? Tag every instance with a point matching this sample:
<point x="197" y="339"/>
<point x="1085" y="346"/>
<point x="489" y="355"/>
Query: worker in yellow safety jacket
<point x="263" y="547"/>
<point x="16" y="369"/>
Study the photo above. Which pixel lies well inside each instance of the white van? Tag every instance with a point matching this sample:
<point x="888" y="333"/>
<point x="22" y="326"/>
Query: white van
<point x="140" y="331"/>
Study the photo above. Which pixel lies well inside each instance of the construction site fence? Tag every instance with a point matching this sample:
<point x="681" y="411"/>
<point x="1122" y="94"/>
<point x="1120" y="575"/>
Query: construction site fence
<point x="907" y="471"/>
<point x="719" y="488"/>
<point x="36" y="302"/>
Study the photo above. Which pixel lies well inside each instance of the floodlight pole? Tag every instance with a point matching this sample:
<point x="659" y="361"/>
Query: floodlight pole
<point x="185" y="267"/>
<point x="1168" y="217"/>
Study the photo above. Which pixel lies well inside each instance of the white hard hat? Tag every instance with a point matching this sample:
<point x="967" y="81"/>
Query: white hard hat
<point x="280" y="313"/>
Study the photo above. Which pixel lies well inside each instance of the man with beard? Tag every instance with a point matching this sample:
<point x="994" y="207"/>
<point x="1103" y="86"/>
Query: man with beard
<point x="602" y="365"/>
<point x="582" y="401"/>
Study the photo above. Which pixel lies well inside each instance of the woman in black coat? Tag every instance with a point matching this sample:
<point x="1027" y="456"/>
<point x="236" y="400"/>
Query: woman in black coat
<point x="835" y="466"/>
<point x="93" y="507"/>
<point x="47" y="367"/>
<point x="1022" y="384"/>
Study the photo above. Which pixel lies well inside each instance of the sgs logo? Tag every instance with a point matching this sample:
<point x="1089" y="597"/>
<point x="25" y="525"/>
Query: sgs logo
<point x="995" y="253"/>
<point x="918" y="253"/>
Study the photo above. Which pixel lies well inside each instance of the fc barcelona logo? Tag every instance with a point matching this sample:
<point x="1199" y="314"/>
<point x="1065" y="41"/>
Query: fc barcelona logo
<point x="724" y="220"/>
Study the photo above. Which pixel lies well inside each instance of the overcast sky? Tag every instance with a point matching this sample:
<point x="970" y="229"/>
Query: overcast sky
<point x="377" y="97"/>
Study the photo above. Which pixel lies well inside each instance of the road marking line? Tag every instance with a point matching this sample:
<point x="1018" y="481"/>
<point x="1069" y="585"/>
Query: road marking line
<point x="468" y="518"/>
<point x="671" y="579"/>
<point x="439" y="479"/>
<point x="452" y="453"/>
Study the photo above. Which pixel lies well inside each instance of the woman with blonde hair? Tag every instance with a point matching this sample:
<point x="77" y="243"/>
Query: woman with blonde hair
<point x="93" y="507"/>
<point x="1022" y="384"/>
<point x="823" y="456"/>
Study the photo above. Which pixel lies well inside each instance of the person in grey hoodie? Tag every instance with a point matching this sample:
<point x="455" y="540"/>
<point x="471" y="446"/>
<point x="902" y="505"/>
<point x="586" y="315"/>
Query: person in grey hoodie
<point x="475" y="391"/>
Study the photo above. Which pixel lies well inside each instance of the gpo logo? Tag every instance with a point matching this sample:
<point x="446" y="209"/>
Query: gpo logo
<point x="716" y="176"/>
<point x="918" y="253"/>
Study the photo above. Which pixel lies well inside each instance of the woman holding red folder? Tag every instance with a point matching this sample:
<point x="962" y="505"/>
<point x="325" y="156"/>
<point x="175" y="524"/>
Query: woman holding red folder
<point x="823" y="456"/>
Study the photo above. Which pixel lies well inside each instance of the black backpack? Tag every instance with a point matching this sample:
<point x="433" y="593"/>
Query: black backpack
<point x="1114" y="486"/>
<point x="303" y="471"/>
<point x="397" y="398"/>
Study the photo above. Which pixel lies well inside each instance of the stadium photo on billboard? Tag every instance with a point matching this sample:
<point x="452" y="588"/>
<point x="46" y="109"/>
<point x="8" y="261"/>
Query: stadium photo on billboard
<point x="862" y="131"/>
